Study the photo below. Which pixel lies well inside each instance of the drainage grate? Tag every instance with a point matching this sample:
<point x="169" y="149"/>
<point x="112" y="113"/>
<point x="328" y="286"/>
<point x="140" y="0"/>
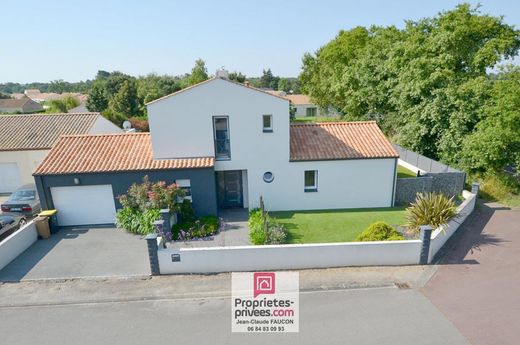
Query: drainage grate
<point x="402" y="285"/>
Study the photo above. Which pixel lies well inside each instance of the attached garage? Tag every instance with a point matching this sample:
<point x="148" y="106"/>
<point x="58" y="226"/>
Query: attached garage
<point x="84" y="205"/>
<point x="83" y="176"/>
<point x="9" y="177"/>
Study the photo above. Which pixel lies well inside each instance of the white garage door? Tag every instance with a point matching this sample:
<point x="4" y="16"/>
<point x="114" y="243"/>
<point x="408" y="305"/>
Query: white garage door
<point x="9" y="177"/>
<point x="84" y="205"/>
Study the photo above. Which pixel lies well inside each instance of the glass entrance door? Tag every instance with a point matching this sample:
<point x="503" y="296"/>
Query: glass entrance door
<point x="230" y="188"/>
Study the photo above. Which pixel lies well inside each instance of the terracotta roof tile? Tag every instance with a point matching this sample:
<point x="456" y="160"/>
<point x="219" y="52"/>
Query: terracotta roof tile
<point x="299" y="99"/>
<point x="339" y="140"/>
<point x="40" y="131"/>
<point x="110" y="153"/>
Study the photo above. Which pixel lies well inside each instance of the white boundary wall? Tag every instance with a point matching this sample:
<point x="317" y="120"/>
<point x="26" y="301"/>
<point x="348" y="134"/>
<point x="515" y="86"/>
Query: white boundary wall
<point x="17" y="243"/>
<point x="279" y="257"/>
<point x="300" y="256"/>
<point x="440" y="236"/>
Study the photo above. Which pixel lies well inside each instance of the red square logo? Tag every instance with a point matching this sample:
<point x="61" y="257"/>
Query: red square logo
<point x="264" y="283"/>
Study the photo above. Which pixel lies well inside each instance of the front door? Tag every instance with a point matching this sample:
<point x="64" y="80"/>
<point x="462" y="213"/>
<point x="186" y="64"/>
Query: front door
<point x="230" y="188"/>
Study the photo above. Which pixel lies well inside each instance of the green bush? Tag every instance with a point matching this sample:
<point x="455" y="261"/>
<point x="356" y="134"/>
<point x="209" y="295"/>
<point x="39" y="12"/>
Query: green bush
<point x="275" y="234"/>
<point x="186" y="212"/>
<point x="434" y="209"/>
<point x="137" y="222"/>
<point x="202" y="227"/>
<point x="379" y="231"/>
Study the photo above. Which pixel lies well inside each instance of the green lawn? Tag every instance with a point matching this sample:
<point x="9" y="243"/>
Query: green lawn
<point x="404" y="172"/>
<point x="334" y="225"/>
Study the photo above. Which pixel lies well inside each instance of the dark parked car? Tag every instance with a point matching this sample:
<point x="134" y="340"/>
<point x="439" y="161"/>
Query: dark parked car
<point x="11" y="222"/>
<point x="24" y="200"/>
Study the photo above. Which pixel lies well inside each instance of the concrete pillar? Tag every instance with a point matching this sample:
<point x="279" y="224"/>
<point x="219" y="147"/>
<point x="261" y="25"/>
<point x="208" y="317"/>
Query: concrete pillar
<point x="426" y="235"/>
<point x="160" y="230"/>
<point x="167" y="226"/>
<point x="475" y="187"/>
<point x="151" y="242"/>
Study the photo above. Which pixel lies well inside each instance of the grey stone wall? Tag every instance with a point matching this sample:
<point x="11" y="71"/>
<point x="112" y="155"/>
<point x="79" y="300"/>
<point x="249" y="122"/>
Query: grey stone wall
<point x="450" y="184"/>
<point x="407" y="188"/>
<point x="440" y="178"/>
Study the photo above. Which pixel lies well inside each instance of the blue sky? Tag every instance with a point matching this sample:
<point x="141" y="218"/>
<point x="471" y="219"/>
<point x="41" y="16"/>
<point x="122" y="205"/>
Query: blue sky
<point x="71" y="40"/>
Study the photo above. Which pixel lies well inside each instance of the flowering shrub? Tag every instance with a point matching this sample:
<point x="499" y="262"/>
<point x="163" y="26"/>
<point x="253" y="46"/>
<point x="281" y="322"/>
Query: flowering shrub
<point x="142" y="203"/>
<point x="200" y="228"/>
<point x="148" y="195"/>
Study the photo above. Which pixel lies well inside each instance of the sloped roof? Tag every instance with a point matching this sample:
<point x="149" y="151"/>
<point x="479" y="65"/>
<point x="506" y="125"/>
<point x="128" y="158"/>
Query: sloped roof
<point x="339" y="140"/>
<point x="110" y="153"/>
<point x="40" y="131"/>
<point x="299" y="99"/>
<point x="210" y="80"/>
<point x="13" y="103"/>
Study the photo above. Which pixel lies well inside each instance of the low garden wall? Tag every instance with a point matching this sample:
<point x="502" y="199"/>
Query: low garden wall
<point x="303" y="256"/>
<point x="440" y="236"/>
<point x="17" y="243"/>
<point x="281" y="257"/>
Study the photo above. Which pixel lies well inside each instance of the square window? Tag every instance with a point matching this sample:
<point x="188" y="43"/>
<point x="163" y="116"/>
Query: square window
<point x="185" y="185"/>
<point x="311" y="112"/>
<point x="311" y="180"/>
<point x="267" y="122"/>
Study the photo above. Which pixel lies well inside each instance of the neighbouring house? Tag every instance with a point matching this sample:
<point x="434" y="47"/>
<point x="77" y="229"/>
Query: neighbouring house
<point x="42" y="97"/>
<point x="304" y="107"/>
<point x="26" y="139"/>
<point x="22" y="105"/>
<point x="226" y="144"/>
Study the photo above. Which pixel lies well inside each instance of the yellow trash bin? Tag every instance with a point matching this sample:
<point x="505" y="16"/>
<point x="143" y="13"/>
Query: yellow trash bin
<point x="42" y="226"/>
<point x="53" y="221"/>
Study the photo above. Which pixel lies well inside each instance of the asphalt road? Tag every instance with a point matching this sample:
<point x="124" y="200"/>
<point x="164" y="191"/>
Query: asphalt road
<point x="477" y="283"/>
<point x="360" y="316"/>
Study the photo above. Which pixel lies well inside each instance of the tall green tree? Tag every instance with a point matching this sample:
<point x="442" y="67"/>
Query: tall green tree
<point x="198" y="74"/>
<point x="97" y="97"/>
<point x="237" y="76"/>
<point x="426" y="84"/>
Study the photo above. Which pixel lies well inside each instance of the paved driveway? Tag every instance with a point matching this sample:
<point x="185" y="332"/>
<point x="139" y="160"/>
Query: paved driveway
<point x="81" y="252"/>
<point x="477" y="284"/>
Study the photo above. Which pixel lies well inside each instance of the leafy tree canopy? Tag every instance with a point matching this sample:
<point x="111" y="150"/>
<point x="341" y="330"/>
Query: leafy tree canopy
<point x="426" y="85"/>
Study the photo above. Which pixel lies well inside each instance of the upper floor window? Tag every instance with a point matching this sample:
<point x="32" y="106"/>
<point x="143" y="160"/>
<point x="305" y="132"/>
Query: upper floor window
<point x="311" y="111"/>
<point x="267" y="122"/>
<point x="311" y="180"/>
<point x="221" y="137"/>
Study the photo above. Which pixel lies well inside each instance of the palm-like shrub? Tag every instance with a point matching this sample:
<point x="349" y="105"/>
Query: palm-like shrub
<point x="434" y="209"/>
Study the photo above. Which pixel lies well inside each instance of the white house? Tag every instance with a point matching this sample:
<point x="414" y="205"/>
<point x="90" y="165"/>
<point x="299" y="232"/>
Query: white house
<point x="226" y="144"/>
<point x="303" y="106"/>
<point x="259" y="153"/>
<point x="26" y="139"/>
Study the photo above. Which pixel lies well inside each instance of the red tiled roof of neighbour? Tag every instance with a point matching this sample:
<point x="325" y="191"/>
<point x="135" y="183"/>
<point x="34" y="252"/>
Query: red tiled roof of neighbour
<point x="299" y="99"/>
<point x="110" y="153"/>
<point x="40" y="131"/>
<point x="339" y="140"/>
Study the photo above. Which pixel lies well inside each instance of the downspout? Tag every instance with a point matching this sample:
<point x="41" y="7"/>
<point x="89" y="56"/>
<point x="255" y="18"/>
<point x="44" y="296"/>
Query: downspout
<point x="395" y="182"/>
